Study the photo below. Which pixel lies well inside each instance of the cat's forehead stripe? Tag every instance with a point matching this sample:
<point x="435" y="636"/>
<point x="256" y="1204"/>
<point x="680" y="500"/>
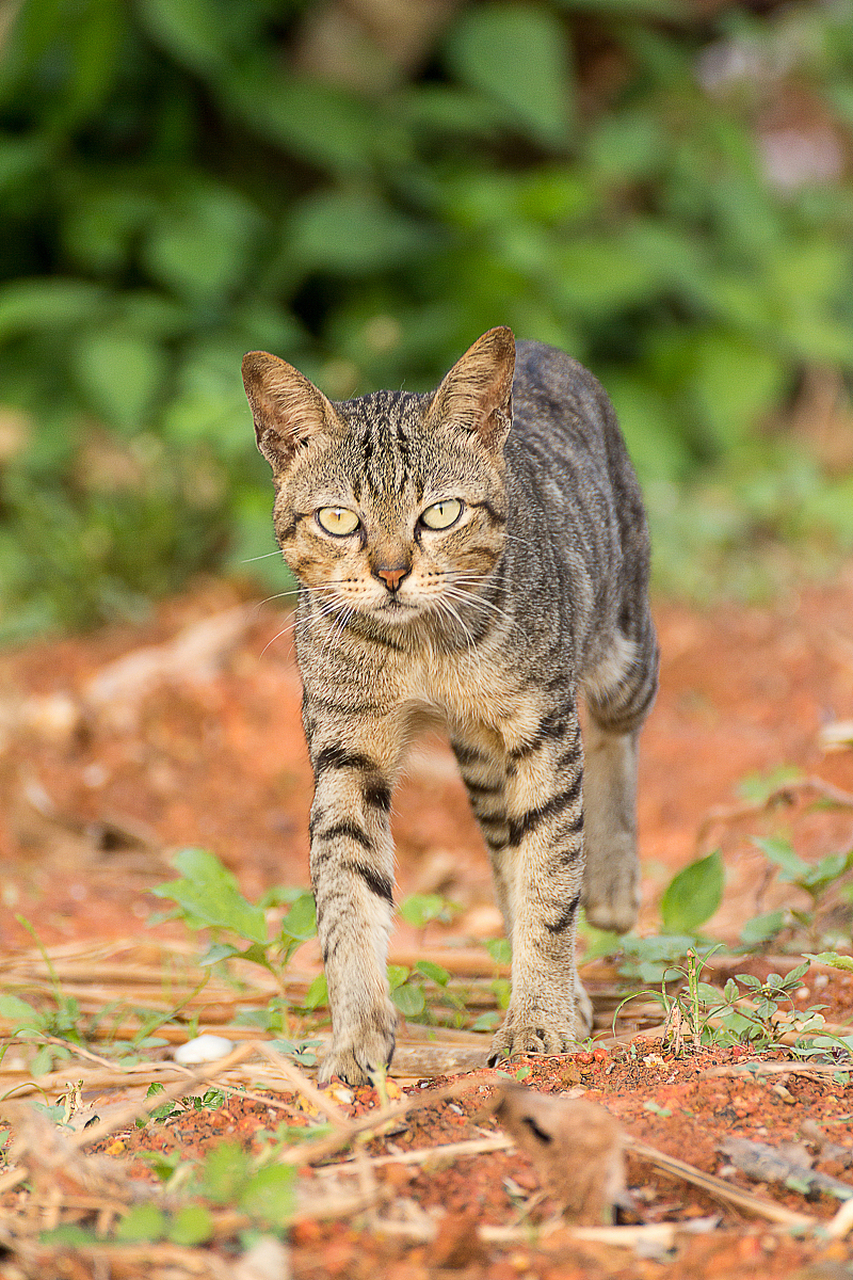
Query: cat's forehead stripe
<point x="382" y="423"/>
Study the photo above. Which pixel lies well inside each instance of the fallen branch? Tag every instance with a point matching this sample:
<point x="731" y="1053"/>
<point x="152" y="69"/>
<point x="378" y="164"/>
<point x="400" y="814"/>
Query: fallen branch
<point x="718" y="1187"/>
<point x="446" y="1151"/>
<point x="787" y="1068"/>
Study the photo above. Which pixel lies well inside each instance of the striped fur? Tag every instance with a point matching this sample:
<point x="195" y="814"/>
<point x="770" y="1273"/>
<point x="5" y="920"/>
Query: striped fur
<point x="534" y="593"/>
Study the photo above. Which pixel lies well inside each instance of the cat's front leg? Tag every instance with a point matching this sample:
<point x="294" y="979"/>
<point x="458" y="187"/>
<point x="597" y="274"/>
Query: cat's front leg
<point x="548" y="1010"/>
<point x="352" y="858"/>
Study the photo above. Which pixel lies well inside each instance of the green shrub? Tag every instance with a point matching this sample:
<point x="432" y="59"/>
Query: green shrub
<point x="174" y="191"/>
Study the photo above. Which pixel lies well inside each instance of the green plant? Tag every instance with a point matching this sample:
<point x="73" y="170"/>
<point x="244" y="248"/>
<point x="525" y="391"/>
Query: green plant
<point x="210" y="1100"/>
<point x="747" y="1011"/>
<point x="689" y="900"/>
<point x="208" y="896"/>
<point x="176" y="187"/>
<point x="47" y="1025"/>
<point x="815" y="879"/>
<point x="228" y="1177"/>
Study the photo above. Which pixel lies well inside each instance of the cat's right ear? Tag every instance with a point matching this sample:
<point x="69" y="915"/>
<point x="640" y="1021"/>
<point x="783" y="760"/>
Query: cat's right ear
<point x="288" y="409"/>
<point x="477" y="392"/>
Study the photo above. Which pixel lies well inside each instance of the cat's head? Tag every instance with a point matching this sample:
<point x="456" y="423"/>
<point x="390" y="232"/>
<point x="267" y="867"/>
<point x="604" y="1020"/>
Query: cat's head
<point x="392" y="505"/>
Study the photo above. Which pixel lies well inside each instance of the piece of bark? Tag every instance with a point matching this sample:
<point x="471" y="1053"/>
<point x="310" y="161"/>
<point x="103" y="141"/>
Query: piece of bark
<point x="763" y="1163"/>
<point x="576" y="1147"/>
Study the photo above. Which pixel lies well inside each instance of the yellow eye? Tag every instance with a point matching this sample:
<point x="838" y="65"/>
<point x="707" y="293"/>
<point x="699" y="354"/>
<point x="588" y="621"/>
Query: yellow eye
<point x="337" y="520"/>
<point x="441" y="515"/>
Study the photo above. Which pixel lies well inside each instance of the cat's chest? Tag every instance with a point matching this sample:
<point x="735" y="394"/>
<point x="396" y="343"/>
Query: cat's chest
<point x="468" y="687"/>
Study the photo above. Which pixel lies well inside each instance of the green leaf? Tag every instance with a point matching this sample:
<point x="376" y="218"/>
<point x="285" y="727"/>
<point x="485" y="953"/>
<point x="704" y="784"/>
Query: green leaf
<point x="693" y="895"/>
<point x="317" y="995"/>
<point x="37" y="304"/>
<point x="792" y="868"/>
<point x="324" y="125"/>
<point x="94" y="57"/>
<point x="190" y="30"/>
<point x="142" y="1222"/>
<point x="22" y="1015"/>
<point x="21" y="160"/>
<point x="209" y="892"/>
<point x="438" y="974"/>
<point x="42" y="1062"/>
<point x="733" y="382"/>
<point x="192" y="1225"/>
<point x="409" y="999"/>
<point x="759" y="787"/>
<point x="762" y="928"/>
<point x="397" y="975"/>
<point x="225" y="1172"/>
<point x="419" y="908"/>
<point x="650" y="426"/>
<point x="833" y="958"/>
<point x="270" y="1195"/>
<point x="500" y="949"/>
<point x="598" y="275"/>
<point x="201" y="244"/>
<point x="518" y="56"/>
<point x="351" y="233"/>
<point x="121" y="375"/>
<point x="301" y="920"/>
<point x="218" y="951"/>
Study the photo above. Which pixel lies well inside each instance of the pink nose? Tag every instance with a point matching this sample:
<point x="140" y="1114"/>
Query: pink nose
<point x="392" y="577"/>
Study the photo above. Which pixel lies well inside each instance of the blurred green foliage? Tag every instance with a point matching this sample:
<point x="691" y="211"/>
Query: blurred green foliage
<point x="180" y="183"/>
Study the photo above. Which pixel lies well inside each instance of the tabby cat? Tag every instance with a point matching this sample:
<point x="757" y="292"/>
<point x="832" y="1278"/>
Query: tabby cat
<point x="480" y="552"/>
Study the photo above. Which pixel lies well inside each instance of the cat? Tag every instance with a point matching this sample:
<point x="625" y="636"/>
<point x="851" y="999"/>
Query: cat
<point x="480" y="552"/>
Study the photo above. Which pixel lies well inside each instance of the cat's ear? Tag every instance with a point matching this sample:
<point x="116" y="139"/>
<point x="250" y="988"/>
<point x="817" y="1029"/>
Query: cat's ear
<point x="288" y="409"/>
<point x="477" y="392"/>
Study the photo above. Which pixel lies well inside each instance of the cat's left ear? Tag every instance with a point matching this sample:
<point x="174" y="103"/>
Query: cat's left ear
<point x="288" y="409"/>
<point x="477" y="392"/>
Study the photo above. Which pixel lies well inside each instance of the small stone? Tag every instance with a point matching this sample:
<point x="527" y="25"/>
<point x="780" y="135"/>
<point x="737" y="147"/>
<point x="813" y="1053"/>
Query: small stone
<point x="206" y="1048"/>
<point x="268" y="1259"/>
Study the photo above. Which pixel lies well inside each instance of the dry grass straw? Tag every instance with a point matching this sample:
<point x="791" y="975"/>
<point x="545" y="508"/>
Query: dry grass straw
<point x="69" y="1184"/>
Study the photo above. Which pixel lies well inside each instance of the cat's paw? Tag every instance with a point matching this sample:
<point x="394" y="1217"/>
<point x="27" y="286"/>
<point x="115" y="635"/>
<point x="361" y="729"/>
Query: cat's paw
<point x="611" y="896"/>
<point x="360" y="1060"/>
<point x="540" y="1035"/>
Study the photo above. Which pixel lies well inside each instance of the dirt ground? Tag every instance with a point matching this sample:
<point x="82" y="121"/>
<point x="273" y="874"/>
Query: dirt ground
<point x="122" y="746"/>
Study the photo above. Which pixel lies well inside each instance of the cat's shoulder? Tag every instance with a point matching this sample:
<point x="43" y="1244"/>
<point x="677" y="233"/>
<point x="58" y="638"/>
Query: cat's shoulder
<point x="537" y="362"/>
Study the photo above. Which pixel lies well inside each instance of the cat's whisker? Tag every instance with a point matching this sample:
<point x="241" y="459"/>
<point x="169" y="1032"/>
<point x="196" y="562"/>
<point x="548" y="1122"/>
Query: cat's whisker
<point x="284" y="631"/>
<point x="448" y="609"/>
<point x="265" y="556"/>
<point x="311" y="621"/>
<point x="476" y="601"/>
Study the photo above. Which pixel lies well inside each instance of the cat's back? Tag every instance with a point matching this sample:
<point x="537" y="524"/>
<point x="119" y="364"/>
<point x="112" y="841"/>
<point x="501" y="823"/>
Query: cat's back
<point x="571" y="462"/>
<point x="558" y="401"/>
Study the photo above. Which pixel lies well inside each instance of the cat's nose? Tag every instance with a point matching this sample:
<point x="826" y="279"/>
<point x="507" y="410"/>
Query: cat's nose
<point x="392" y="577"/>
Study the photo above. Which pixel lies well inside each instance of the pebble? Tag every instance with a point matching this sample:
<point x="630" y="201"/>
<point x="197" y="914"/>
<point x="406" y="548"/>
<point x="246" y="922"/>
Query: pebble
<point x="202" y="1049"/>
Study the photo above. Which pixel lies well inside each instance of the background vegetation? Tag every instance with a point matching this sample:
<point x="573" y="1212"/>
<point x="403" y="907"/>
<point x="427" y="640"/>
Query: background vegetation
<point x="661" y="187"/>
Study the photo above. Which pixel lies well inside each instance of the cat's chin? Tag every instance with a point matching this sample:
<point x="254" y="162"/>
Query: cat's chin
<point x="397" y="612"/>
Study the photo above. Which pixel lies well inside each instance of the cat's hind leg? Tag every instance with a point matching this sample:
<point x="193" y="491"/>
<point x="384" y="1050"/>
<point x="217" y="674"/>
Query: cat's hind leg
<point x="619" y="693"/>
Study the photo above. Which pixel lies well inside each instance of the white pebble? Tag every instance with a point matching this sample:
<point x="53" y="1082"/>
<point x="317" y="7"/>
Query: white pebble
<point x="203" y="1049"/>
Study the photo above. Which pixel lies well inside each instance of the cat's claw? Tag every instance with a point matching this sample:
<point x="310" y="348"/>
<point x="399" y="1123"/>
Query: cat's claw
<point x="528" y="1031"/>
<point x="511" y="1040"/>
<point x="358" y="1064"/>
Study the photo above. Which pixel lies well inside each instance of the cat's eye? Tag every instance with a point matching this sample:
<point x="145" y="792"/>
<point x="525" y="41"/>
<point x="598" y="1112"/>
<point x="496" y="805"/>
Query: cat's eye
<point x="338" y="521"/>
<point x="441" y="515"/>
